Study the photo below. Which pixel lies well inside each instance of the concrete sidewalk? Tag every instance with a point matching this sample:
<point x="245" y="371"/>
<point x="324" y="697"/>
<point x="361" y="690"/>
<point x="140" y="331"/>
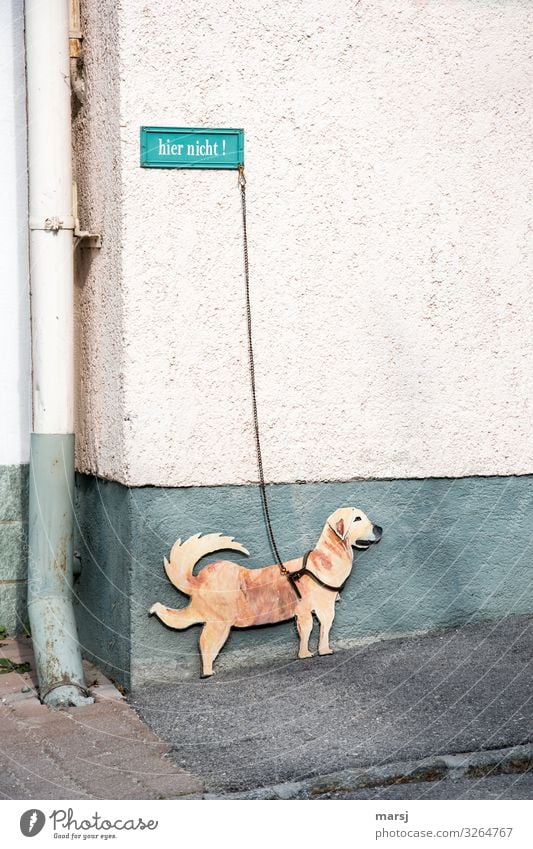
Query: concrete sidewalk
<point x="102" y="751"/>
<point x="391" y="704"/>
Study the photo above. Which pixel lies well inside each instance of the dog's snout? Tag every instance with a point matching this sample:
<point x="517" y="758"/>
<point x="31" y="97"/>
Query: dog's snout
<point x="377" y="531"/>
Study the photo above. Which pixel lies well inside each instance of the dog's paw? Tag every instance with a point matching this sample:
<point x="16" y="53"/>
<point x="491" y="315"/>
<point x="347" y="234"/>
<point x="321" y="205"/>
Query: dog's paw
<point x="304" y="655"/>
<point x="323" y="653"/>
<point x="203" y="676"/>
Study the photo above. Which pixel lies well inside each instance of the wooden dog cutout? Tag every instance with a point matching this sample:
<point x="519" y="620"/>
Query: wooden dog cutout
<point x="225" y="595"/>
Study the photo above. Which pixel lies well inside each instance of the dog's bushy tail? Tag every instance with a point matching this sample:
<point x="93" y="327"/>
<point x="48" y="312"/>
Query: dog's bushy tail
<point x="185" y="555"/>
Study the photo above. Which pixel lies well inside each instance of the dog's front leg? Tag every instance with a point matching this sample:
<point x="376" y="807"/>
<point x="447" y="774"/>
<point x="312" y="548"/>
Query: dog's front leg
<point x="304" y="623"/>
<point x="325" y="617"/>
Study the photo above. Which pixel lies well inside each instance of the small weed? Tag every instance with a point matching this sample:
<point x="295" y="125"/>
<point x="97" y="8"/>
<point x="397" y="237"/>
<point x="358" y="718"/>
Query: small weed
<point x="7" y="665"/>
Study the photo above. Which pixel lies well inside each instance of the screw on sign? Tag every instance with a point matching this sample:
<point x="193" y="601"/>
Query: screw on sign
<point x="32" y="822"/>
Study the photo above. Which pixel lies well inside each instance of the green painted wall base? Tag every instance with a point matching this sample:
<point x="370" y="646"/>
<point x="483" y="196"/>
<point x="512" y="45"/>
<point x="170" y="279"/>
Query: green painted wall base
<point x="453" y="551"/>
<point x="13" y="548"/>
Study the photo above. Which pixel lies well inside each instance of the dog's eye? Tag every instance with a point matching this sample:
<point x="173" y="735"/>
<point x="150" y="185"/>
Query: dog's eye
<point x="357" y="519"/>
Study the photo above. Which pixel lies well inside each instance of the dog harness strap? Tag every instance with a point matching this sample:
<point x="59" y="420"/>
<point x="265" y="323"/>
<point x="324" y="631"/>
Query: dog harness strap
<point x="295" y="576"/>
<point x="292" y="581"/>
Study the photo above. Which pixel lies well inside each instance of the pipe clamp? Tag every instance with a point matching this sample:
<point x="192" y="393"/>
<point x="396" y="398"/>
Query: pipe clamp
<point x="53" y="223"/>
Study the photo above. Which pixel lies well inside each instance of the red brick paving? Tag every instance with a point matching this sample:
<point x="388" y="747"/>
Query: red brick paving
<point x="102" y="751"/>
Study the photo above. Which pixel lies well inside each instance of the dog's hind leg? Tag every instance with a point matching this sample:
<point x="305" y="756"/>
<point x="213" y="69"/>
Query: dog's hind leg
<point x="212" y="638"/>
<point x="304" y="623"/>
<point x="182" y="618"/>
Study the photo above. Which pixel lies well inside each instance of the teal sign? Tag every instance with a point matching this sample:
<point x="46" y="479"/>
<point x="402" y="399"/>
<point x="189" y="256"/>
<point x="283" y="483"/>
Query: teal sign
<point x="178" y="147"/>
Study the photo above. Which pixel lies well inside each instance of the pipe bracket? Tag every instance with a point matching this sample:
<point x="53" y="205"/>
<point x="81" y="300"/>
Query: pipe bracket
<point x="85" y="239"/>
<point x="53" y="223"/>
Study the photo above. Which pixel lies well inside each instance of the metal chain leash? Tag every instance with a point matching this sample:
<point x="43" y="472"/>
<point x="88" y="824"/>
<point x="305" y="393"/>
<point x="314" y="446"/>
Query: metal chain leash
<point x="262" y="485"/>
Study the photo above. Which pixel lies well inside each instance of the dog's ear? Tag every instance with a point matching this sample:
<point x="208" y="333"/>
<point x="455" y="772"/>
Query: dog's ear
<point x="341" y="521"/>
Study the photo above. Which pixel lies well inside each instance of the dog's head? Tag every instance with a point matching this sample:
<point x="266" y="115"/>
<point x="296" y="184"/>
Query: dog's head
<point x="354" y="527"/>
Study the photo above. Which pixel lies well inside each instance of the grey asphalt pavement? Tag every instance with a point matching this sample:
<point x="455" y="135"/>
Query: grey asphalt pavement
<point x="465" y="690"/>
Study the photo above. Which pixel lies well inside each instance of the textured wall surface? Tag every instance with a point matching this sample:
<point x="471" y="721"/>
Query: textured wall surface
<point x="387" y="148"/>
<point x="452" y="552"/>
<point x="15" y="372"/>
<point x="100" y="293"/>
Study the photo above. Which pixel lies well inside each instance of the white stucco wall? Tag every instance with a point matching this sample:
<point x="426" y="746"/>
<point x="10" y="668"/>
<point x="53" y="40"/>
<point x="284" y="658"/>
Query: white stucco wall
<point x="15" y="375"/>
<point x="388" y="148"/>
<point x="100" y="291"/>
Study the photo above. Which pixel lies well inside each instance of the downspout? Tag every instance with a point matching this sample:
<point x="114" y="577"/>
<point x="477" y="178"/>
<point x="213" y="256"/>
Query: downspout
<point x="51" y="226"/>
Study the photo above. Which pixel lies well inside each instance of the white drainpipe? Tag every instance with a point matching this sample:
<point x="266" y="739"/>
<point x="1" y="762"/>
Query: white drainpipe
<point x="50" y="607"/>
